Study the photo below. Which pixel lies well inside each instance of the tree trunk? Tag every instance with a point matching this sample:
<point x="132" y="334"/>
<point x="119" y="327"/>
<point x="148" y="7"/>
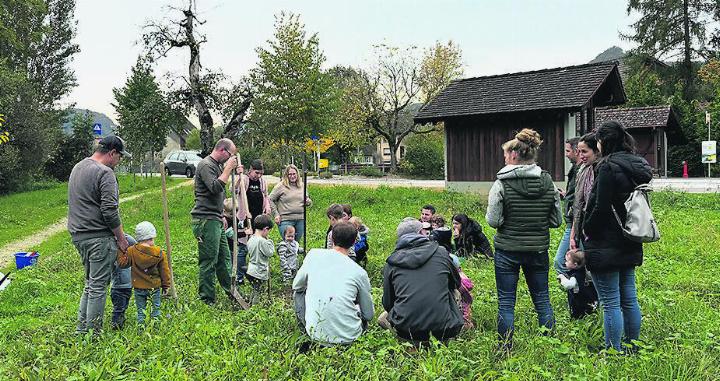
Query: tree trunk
<point x="198" y="98"/>
<point x="393" y="144"/>
<point x="687" y="61"/>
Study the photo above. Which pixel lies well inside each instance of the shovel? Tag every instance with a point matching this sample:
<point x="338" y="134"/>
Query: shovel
<point x="233" y="276"/>
<point x="166" y="223"/>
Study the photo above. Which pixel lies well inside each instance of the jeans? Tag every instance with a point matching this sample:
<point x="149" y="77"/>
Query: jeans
<point x="213" y="257"/>
<point x="299" y="228"/>
<point x="535" y="266"/>
<point x="621" y="311"/>
<point x="562" y="249"/>
<point x="120" y="298"/>
<point x="98" y="257"/>
<point x="141" y="298"/>
<point x="241" y="259"/>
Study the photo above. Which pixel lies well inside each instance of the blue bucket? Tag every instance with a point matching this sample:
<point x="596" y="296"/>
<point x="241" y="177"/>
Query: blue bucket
<point x="25" y="259"/>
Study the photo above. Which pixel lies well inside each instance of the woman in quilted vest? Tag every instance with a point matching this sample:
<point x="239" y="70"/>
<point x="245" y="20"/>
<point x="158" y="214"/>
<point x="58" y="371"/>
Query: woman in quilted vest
<point x="523" y="205"/>
<point x="612" y="258"/>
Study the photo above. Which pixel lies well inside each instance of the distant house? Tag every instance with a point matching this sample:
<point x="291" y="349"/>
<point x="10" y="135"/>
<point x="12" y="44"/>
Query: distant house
<point x="649" y="127"/>
<point x="482" y="113"/>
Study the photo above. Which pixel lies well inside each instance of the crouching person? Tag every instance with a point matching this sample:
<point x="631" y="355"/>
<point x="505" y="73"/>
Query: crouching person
<point x="333" y="309"/>
<point x="419" y="281"/>
<point x="150" y="270"/>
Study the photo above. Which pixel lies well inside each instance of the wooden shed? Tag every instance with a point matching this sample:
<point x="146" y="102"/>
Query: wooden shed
<point x="481" y="113"/>
<point x="649" y="126"/>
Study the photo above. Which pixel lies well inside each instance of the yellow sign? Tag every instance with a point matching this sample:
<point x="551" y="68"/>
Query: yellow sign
<point x="323" y="163"/>
<point x="4" y="135"/>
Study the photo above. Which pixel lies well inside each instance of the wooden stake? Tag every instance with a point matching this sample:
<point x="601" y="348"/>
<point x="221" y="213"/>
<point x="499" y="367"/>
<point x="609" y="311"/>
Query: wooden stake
<point x="166" y="222"/>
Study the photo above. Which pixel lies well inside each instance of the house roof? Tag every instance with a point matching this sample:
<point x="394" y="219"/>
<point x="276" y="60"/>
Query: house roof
<point x="561" y="88"/>
<point x="639" y="117"/>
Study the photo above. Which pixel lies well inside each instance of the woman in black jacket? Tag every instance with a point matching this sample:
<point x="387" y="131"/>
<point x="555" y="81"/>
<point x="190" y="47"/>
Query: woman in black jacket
<point x="469" y="237"/>
<point x="612" y="258"/>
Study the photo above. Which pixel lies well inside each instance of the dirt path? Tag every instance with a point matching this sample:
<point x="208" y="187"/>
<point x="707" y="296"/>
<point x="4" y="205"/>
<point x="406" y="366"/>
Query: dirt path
<point x="25" y="243"/>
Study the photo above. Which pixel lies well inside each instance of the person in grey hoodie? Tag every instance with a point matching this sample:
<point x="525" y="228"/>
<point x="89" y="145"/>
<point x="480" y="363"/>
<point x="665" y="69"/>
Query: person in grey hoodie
<point x="419" y="280"/>
<point x="523" y="205"/>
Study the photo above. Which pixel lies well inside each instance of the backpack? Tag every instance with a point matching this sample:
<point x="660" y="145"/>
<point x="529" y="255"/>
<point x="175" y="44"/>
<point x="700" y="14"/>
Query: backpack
<point x="640" y="225"/>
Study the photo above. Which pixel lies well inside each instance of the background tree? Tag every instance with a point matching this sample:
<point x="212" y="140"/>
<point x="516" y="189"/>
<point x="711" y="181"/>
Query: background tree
<point x="144" y="116"/>
<point x="201" y="91"/>
<point x="349" y="132"/>
<point x="72" y="147"/>
<point x="671" y="29"/>
<point x="35" y="73"/>
<point x="391" y="96"/>
<point x="294" y="99"/>
<point x="441" y="64"/>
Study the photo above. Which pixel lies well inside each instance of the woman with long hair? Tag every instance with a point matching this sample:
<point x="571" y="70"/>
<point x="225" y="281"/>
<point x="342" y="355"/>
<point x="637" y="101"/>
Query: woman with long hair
<point x="610" y="257"/>
<point x="523" y="205"/>
<point x="287" y="201"/>
<point x="469" y="237"/>
<point x="588" y="153"/>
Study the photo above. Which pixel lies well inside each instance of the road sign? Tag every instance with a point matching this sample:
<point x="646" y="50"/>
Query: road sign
<point x="97" y="129"/>
<point x="323" y="163"/>
<point x="709" y="151"/>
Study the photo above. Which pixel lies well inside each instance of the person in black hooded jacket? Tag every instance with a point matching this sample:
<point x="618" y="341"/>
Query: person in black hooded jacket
<point x="469" y="237"/>
<point x="612" y="258"/>
<point x="419" y="281"/>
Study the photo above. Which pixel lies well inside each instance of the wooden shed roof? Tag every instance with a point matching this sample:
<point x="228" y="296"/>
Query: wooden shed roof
<point x="639" y="117"/>
<point x="569" y="87"/>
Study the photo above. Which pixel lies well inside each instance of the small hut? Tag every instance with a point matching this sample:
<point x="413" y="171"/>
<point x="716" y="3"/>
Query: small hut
<point x="481" y="113"/>
<point x="649" y="126"/>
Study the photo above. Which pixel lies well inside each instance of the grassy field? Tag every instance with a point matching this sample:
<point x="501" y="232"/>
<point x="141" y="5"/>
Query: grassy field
<point x="678" y="290"/>
<point x="23" y="214"/>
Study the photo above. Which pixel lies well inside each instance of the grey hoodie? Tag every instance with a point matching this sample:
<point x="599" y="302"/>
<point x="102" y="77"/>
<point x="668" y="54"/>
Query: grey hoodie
<point x="494" y="214"/>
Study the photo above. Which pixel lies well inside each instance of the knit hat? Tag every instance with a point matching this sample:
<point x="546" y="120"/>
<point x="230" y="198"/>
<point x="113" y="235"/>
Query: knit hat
<point x="409" y="225"/>
<point x="145" y="231"/>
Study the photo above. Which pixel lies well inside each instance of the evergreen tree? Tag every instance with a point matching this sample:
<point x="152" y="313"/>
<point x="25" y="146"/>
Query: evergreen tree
<point x="144" y="114"/>
<point x="671" y="29"/>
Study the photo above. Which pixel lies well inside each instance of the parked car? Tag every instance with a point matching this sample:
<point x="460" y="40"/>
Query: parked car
<point x="182" y="163"/>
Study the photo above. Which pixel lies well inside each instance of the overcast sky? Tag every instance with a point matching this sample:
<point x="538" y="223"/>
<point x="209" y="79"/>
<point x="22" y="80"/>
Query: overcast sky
<point x="496" y="36"/>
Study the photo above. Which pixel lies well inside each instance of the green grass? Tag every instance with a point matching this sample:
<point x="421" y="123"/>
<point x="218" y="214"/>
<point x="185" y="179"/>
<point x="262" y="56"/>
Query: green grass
<point x="678" y="291"/>
<point x="23" y="214"/>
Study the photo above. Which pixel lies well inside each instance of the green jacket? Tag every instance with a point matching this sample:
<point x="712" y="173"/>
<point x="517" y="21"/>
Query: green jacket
<point x="523" y="205"/>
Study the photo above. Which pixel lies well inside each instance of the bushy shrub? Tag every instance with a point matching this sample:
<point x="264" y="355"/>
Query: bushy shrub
<point x="71" y="148"/>
<point x="424" y="156"/>
<point x="326" y="175"/>
<point x="371" y="172"/>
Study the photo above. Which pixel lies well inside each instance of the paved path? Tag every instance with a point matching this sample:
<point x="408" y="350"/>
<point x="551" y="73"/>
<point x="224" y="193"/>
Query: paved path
<point x="25" y="243"/>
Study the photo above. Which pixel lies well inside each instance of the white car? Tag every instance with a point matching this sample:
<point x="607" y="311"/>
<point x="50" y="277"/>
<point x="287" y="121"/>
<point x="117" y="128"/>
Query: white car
<point x="182" y="163"/>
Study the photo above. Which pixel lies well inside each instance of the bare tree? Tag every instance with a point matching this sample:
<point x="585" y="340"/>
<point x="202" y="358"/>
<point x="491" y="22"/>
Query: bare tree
<point x="390" y="97"/>
<point x="201" y="90"/>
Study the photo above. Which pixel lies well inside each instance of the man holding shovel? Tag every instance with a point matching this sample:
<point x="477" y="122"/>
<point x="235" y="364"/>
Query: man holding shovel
<point x="207" y="218"/>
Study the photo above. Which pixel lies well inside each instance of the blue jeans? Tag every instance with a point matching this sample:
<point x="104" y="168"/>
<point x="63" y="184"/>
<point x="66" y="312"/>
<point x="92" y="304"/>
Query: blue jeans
<point x="120" y="298"/>
<point x="621" y="311"/>
<point x="141" y="298"/>
<point x="562" y="249"/>
<point x="299" y="228"/>
<point x="535" y="266"/>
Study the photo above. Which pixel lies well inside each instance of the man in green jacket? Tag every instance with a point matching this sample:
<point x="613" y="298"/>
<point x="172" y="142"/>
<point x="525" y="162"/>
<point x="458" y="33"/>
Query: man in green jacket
<point x="207" y="218"/>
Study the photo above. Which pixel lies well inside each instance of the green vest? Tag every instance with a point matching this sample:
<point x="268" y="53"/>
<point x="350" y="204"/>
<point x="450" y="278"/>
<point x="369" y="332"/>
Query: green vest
<point x="527" y="206"/>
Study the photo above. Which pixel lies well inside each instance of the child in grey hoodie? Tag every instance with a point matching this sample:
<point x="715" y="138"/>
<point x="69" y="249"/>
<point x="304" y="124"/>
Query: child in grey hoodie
<point x="288" y="250"/>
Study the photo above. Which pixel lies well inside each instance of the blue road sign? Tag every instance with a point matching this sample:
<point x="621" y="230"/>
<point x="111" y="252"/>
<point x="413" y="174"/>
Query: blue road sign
<point x="97" y="128"/>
